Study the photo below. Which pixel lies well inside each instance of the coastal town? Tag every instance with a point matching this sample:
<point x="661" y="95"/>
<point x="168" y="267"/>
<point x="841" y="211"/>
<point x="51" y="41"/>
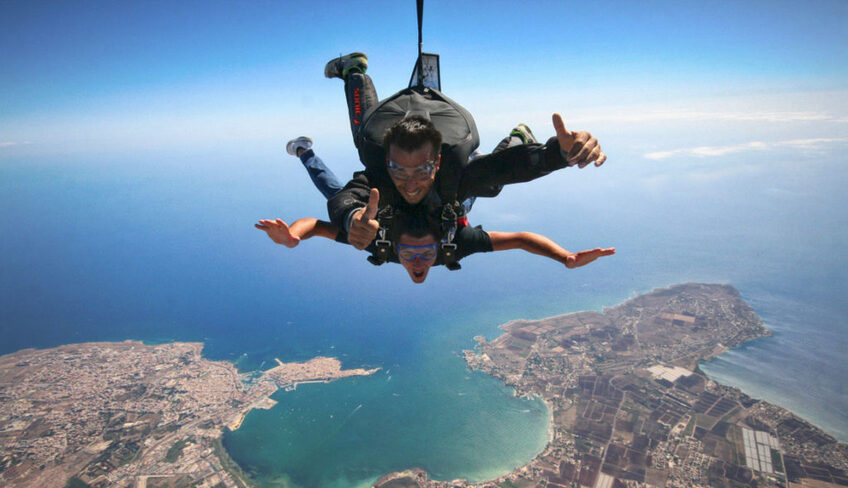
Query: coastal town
<point x="129" y="414"/>
<point x="629" y="407"/>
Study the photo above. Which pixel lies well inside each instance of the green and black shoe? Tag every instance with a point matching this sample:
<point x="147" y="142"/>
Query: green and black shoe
<point x="340" y="67"/>
<point x="523" y="132"/>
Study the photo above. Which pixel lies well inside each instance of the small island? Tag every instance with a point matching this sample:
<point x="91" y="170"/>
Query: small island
<point x="130" y="414"/>
<point x="629" y="406"/>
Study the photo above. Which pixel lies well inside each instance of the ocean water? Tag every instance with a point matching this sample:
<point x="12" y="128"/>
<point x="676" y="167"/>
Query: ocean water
<point x="160" y="246"/>
<point x="800" y="367"/>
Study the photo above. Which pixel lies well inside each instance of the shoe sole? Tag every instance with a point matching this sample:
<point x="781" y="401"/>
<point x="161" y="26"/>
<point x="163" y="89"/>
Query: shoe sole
<point x="291" y="146"/>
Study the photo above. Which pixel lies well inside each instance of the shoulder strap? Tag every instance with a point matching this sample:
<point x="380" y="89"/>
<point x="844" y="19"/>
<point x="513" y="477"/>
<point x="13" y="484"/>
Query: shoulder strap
<point x="447" y="248"/>
<point x="382" y="245"/>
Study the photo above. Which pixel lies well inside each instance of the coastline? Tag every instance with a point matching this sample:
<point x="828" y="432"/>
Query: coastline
<point x="480" y="359"/>
<point x="551" y="433"/>
<point x="232" y="468"/>
<point x="519" y="390"/>
<point x="163" y="416"/>
<point x="263" y="404"/>
<point x="783" y="402"/>
<point x="754" y="388"/>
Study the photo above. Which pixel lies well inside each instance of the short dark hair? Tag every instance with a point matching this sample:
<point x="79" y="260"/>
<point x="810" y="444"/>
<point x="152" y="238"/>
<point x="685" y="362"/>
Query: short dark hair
<point x="415" y="225"/>
<point x="412" y="132"/>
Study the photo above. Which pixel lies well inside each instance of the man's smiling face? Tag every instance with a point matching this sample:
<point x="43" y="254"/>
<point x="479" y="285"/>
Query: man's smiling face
<point x="413" y="173"/>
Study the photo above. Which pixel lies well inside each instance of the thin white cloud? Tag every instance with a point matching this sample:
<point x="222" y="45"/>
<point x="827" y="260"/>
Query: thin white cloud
<point x="701" y="116"/>
<point x="812" y="143"/>
<point x="723" y="172"/>
<point x="11" y="144"/>
<point x="712" y="151"/>
<point x="655" y="182"/>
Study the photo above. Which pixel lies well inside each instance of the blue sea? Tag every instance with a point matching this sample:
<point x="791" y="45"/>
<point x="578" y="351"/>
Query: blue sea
<point x="160" y="246"/>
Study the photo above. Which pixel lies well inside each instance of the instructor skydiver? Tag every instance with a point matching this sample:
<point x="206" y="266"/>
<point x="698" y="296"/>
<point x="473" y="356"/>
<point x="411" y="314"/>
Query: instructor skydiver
<point x="409" y="174"/>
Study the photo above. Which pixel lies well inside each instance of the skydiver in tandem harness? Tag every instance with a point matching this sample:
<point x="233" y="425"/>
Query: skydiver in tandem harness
<point x="413" y="170"/>
<point x="414" y="238"/>
<point x="416" y="243"/>
<point x="416" y="147"/>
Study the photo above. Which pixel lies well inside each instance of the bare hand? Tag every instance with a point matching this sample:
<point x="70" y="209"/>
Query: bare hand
<point x="279" y="232"/>
<point x="583" y="258"/>
<point x="363" y="224"/>
<point x="581" y="147"/>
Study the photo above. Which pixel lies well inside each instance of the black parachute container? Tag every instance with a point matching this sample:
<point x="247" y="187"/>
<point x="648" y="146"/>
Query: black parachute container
<point x="459" y="133"/>
<point x="422" y="98"/>
<point x="459" y="139"/>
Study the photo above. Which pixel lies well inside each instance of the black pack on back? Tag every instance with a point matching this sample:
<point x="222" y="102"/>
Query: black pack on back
<point x="459" y="133"/>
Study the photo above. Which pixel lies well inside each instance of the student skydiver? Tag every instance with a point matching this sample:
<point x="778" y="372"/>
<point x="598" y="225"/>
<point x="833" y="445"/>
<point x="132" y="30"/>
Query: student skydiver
<point x="415" y="240"/>
<point x="416" y="246"/>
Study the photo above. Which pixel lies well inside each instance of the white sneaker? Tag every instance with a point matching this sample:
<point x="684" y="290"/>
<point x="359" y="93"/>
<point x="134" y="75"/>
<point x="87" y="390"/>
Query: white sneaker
<point x="301" y="142"/>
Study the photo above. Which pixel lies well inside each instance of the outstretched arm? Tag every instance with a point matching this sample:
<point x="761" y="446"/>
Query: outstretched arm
<point x="290" y="236"/>
<point x="541" y="245"/>
<point x="526" y="162"/>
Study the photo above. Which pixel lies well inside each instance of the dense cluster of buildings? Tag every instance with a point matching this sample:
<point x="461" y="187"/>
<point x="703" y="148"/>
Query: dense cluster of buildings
<point x="129" y="414"/>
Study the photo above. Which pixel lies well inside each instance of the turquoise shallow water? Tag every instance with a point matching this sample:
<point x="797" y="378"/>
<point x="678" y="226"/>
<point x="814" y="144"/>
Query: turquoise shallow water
<point x="350" y="432"/>
<point x="144" y="254"/>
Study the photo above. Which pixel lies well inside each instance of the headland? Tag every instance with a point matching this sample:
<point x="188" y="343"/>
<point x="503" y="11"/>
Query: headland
<point x="631" y="408"/>
<point x="130" y="414"/>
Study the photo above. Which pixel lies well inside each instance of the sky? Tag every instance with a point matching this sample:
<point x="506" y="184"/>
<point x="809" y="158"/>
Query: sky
<point x="132" y="77"/>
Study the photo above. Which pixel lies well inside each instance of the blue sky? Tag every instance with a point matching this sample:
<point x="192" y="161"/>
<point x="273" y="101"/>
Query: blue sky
<point x="115" y="76"/>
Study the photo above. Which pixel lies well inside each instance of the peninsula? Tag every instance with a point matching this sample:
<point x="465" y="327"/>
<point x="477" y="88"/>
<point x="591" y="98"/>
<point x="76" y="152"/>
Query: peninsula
<point x="630" y="407"/>
<point x="130" y="414"/>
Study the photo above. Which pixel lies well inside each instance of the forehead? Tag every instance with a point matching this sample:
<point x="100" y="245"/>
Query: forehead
<point x="412" y="158"/>
<point x="416" y="241"/>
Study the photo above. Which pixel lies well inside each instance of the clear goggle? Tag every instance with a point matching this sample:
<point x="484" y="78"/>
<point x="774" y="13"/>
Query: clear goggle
<point x="420" y="172"/>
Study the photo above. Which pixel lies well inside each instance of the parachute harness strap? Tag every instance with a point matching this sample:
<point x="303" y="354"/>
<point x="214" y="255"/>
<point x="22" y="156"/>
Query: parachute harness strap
<point x="419" y="4"/>
<point x="447" y="246"/>
<point x="383" y="246"/>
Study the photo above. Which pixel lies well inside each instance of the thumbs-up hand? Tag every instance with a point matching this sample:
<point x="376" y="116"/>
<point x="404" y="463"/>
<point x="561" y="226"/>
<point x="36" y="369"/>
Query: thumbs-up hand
<point x="580" y="148"/>
<point x="363" y="224"/>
